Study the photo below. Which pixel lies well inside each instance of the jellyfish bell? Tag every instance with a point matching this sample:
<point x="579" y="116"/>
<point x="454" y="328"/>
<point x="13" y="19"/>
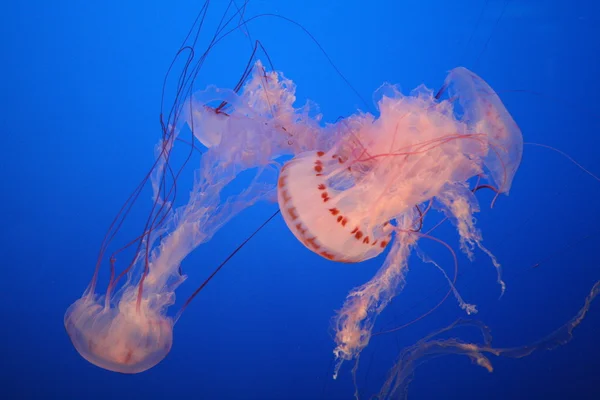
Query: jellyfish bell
<point x="124" y="339"/>
<point x="315" y="211"/>
<point x="482" y="110"/>
<point x="208" y="123"/>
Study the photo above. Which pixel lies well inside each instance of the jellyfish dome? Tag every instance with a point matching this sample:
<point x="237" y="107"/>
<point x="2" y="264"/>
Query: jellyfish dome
<point x="123" y="340"/>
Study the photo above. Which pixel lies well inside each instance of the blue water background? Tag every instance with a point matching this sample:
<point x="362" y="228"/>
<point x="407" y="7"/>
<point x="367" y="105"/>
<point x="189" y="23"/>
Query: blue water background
<point x="80" y="94"/>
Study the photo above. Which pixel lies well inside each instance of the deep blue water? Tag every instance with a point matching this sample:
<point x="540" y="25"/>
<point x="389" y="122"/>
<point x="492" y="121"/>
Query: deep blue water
<point x="80" y="95"/>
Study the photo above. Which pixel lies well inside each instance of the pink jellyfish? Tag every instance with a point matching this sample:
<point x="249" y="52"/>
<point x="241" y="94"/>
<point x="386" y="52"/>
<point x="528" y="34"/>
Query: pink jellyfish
<point x="126" y="328"/>
<point x="345" y="201"/>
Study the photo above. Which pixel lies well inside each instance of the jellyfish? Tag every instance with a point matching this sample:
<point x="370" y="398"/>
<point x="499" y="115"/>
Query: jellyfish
<point x="350" y="201"/>
<point x="348" y="191"/>
<point x="126" y="328"/>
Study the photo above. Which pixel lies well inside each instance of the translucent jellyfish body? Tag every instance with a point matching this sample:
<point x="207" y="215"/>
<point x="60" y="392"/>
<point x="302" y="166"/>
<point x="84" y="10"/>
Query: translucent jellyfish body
<point x="339" y="201"/>
<point x="126" y="328"/>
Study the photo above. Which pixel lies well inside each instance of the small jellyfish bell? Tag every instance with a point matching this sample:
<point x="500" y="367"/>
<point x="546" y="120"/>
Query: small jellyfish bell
<point x="124" y="339"/>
